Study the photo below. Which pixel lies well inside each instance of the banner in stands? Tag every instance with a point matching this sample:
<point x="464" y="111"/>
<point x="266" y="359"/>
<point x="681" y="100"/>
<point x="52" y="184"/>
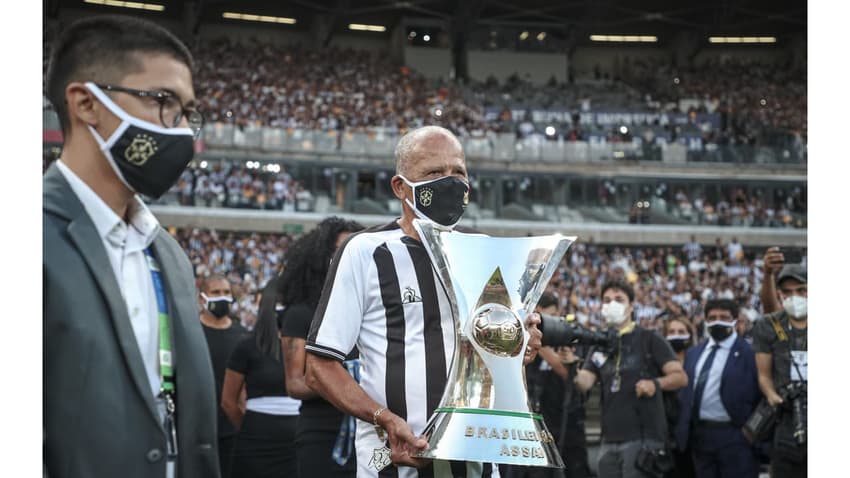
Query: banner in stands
<point x="609" y="118"/>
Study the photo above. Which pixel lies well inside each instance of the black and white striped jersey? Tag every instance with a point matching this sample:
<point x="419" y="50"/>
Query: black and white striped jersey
<point x="383" y="296"/>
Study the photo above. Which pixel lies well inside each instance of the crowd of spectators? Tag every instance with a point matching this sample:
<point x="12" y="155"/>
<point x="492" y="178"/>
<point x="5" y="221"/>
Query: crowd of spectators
<point x="328" y="89"/>
<point x="754" y="98"/>
<point x="248" y="260"/>
<point x="238" y="186"/>
<point x="668" y="281"/>
<point x="335" y="89"/>
<point x="742" y="210"/>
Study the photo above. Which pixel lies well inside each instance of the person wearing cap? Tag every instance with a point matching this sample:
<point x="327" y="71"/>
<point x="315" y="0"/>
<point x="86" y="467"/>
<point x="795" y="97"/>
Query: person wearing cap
<point x="780" y="340"/>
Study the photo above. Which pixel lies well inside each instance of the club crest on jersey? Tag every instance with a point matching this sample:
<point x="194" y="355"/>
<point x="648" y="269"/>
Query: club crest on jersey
<point x="410" y="296"/>
<point x="425" y="196"/>
<point x="380" y="458"/>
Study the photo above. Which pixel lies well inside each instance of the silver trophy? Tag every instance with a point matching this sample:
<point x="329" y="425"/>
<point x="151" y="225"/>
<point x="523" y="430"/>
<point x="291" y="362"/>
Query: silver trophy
<point x="492" y="285"/>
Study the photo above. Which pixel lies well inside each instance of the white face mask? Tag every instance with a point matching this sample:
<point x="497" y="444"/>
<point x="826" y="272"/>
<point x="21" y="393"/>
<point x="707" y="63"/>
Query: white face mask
<point x="614" y="312"/>
<point x="796" y="306"/>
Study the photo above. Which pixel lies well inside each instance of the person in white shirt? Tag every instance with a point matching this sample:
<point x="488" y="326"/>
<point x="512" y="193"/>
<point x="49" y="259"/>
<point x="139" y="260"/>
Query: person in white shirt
<point x="381" y="294"/>
<point x="128" y="384"/>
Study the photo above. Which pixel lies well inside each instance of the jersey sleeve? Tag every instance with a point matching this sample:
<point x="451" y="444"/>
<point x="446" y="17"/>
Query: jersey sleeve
<point x="297" y="321"/>
<point x="336" y="323"/>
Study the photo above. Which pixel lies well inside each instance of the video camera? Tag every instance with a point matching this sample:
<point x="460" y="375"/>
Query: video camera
<point x="557" y="332"/>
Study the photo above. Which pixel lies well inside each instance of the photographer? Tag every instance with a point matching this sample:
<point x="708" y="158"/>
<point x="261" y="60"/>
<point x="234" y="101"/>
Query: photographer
<point x="780" y="341"/>
<point x="552" y="394"/>
<point x="633" y="370"/>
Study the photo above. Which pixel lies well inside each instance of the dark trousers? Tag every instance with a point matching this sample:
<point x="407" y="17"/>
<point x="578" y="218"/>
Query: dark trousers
<point x="684" y="465"/>
<point x="265" y="447"/>
<point x="314" y="446"/>
<point x="785" y="466"/>
<point x="721" y="451"/>
<point x="225" y="455"/>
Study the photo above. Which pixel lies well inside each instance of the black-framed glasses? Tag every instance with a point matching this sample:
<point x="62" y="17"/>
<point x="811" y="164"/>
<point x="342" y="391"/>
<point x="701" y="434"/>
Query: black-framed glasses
<point x="171" y="109"/>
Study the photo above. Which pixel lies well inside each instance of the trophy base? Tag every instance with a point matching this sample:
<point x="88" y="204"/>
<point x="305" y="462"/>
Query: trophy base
<point x="490" y="436"/>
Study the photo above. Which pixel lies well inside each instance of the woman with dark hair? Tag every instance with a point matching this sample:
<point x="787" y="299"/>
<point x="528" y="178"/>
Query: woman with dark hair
<point x="264" y="446"/>
<point x="324" y="436"/>
<point x="681" y="335"/>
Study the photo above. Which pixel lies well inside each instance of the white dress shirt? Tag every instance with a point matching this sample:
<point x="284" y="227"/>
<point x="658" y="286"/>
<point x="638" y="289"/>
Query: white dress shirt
<point x="711" y="407"/>
<point x="125" y="246"/>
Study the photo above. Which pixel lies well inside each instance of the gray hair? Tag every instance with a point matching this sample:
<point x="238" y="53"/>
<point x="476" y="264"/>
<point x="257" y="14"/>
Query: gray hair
<point x="406" y="145"/>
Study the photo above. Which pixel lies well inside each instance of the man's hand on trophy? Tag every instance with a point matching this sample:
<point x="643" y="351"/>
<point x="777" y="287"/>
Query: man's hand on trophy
<point x="535" y="341"/>
<point x="404" y="445"/>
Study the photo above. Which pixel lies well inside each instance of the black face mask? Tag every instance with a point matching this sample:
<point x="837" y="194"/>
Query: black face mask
<point x="148" y="158"/>
<point x="442" y="200"/>
<point x="678" y="344"/>
<point x="719" y="332"/>
<point x="218" y="306"/>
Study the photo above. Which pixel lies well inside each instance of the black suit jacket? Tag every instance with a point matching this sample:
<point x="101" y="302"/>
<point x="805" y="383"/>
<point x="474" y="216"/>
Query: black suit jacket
<point x="100" y="417"/>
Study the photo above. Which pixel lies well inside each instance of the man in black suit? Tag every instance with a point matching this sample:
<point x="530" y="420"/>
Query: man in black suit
<point x="128" y="385"/>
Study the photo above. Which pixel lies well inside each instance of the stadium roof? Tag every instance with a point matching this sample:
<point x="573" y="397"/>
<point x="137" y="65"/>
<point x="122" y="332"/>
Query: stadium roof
<point x="564" y="18"/>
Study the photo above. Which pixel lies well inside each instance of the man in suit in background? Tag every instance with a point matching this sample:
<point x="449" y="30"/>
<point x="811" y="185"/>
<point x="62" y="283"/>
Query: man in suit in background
<point x="128" y="385"/>
<point x="723" y="394"/>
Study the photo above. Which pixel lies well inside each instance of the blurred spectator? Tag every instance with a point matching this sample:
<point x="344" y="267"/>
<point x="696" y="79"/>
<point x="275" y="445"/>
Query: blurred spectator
<point x="222" y="335"/>
<point x="633" y="375"/>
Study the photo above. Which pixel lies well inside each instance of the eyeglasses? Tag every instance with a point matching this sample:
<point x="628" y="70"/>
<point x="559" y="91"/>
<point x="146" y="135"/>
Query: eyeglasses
<point x="171" y="109"/>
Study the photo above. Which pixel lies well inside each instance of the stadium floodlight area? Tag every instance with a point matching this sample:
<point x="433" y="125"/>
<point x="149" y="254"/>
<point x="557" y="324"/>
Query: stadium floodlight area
<point x="625" y="38"/>
<point x="366" y="28"/>
<point x="248" y="17"/>
<point x="155" y="7"/>
<point x="735" y="40"/>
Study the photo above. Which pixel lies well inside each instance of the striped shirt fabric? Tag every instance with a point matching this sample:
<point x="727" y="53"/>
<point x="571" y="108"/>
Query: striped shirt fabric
<point x="383" y="296"/>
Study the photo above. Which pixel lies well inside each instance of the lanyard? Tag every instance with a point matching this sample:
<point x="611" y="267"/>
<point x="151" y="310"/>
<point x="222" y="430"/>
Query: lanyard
<point x="166" y="369"/>
<point x="344" y="443"/>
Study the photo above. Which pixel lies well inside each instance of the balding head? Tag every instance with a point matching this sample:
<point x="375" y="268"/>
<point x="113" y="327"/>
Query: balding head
<point x="426" y="139"/>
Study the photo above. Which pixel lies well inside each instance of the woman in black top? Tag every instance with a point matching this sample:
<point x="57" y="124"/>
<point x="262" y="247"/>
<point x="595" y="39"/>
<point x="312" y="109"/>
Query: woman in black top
<point x="264" y="446"/>
<point x="680" y="333"/>
<point x="321" y="448"/>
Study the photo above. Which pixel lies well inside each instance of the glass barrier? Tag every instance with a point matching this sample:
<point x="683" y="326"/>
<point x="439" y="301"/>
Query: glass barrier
<point x="500" y="147"/>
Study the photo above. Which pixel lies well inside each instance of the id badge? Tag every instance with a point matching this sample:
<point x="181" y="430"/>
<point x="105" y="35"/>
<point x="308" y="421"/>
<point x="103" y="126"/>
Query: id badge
<point x="615" y="385"/>
<point x="801" y="359"/>
<point x="598" y="359"/>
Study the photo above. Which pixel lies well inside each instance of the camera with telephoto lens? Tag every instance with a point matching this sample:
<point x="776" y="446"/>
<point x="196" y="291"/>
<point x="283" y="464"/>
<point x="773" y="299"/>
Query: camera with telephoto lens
<point x="558" y="332"/>
<point x="761" y="423"/>
<point x="796" y="395"/>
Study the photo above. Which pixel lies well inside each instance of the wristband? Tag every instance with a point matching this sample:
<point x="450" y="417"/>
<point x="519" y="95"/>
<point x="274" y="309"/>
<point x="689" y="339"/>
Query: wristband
<point x="657" y="385"/>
